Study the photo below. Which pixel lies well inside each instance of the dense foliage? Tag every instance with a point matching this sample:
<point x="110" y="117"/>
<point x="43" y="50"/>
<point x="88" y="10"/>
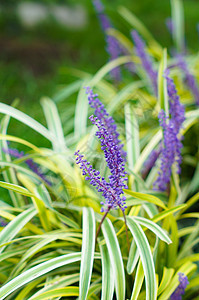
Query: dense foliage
<point x="56" y="242"/>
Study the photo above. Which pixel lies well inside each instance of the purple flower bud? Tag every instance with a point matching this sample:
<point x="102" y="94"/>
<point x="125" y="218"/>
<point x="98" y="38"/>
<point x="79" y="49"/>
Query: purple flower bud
<point x="113" y="48"/>
<point x="140" y="49"/>
<point x="114" y="156"/>
<point x="171" y="146"/>
<point x="183" y="280"/>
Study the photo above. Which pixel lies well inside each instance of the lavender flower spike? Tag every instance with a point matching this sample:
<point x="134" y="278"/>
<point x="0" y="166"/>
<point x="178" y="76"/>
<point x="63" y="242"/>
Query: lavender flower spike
<point x="113" y="48"/>
<point x="101" y="113"/>
<point x="145" y="59"/>
<point x="29" y="162"/>
<point x="171" y="148"/>
<point x="181" y="287"/>
<point x="111" y="147"/>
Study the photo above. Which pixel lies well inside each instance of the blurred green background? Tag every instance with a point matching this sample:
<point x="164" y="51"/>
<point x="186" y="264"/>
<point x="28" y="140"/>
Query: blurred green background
<point x="35" y="57"/>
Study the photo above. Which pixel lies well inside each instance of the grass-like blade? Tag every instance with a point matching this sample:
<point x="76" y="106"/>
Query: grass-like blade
<point x="54" y="123"/>
<point x="9" y="174"/>
<point x="11" y="230"/>
<point x="132" y="136"/>
<point x="115" y="257"/>
<point x="162" y="84"/>
<point x="147" y="197"/>
<point x="186" y="269"/>
<point x="88" y="247"/>
<point x="59" y="292"/>
<point x="177" y="14"/>
<point x="67" y="91"/>
<point x="138" y="25"/>
<point x="133" y="258"/>
<point x="37" y="271"/>
<point x="107" y="282"/>
<point x="166" y="278"/>
<point x="25" y="119"/>
<point x="81" y="112"/>
<point x="153" y="227"/>
<point x="146" y="258"/>
<point x="139" y="278"/>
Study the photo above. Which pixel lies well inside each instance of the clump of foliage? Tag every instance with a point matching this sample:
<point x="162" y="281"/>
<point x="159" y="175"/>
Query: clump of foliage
<point x="50" y="247"/>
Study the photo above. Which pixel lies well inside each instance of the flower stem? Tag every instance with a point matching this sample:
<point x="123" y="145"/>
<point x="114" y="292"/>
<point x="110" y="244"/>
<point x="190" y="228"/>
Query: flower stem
<point x="100" y="224"/>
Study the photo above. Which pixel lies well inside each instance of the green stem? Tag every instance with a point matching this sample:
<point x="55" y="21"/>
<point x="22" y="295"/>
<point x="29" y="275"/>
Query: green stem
<point x="126" y="229"/>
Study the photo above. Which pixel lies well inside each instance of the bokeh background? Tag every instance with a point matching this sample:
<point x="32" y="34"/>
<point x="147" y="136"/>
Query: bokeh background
<point x="41" y="40"/>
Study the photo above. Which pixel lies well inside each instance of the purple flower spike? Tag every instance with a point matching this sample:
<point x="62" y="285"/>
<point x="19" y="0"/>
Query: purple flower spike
<point x="29" y="162"/>
<point x="113" y="48"/>
<point x="176" y="109"/>
<point x="110" y="145"/>
<point x="189" y="78"/>
<point x="183" y="280"/>
<point x="140" y="48"/>
<point x="101" y="113"/>
<point x="171" y="148"/>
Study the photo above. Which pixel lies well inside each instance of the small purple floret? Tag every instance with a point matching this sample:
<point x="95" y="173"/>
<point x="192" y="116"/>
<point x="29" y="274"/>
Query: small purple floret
<point x="110" y="145"/>
<point x="140" y="48"/>
<point x="177" y="294"/>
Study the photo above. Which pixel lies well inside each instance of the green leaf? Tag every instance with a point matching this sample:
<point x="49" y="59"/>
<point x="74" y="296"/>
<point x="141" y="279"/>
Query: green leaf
<point x="107" y="272"/>
<point x="16" y="188"/>
<point x="147" y="150"/>
<point x="25" y="119"/>
<point x="88" y="247"/>
<point x="37" y="271"/>
<point x="14" y="226"/>
<point x="54" y="124"/>
<point x="125" y="94"/>
<point x="166" y="278"/>
<point x="67" y="91"/>
<point x="60" y="292"/>
<point x="9" y="174"/>
<point x="115" y="258"/>
<point x="153" y="227"/>
<point x="81" y="112"/>
<point x="177" y="14"/>
<point x="162" y="84"/>
<point x="138" y="25"/>
<point x="186" y="269"/>
<point x="146" y="258"/>
<point x="108" y="67"/>
<point x="139" y="278"/>
<point x="133" y="258"/>
<point x="146" y="197"/>
<point x="132" y="136"/>
<point x="167" y="212"/>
